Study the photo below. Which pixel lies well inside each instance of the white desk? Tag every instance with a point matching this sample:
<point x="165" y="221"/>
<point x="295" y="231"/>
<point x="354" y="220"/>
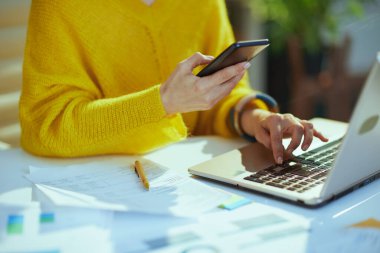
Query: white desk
<point x="359" y="205"/>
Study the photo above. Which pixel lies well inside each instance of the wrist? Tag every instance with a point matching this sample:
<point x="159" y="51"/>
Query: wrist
<point x="244" y="116"/>
<point x="166" y="101"/>
<point x="246" y="123"/>
<point x="250" y="119"/>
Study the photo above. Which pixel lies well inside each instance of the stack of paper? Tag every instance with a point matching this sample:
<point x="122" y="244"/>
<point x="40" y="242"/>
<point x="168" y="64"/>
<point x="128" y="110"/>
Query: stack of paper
<point x="250" y="228"/>
<point x="113" y="185"/>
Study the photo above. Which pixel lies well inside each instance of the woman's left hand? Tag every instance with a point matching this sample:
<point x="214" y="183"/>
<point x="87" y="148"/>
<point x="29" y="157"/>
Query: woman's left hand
<point x="270" y="128"/>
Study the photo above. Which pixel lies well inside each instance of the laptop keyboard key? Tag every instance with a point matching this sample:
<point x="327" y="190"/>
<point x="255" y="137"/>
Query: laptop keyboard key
<point x="275" y="185"/>
<point x="320" y="175"/>
<point x="302" y="172"/>
<point x="299" y="173"/>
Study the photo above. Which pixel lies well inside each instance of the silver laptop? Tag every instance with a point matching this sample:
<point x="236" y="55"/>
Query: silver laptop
<point x="316" y="176"/>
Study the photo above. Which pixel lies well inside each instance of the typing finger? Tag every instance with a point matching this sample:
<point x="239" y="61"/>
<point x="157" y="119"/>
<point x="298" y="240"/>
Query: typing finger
<point x="263" y="137"/>
<point x="308" y="134"/>
<point x="320" y="136"/>
<point x="276" y="142"/>
<point x="297" y="131"/>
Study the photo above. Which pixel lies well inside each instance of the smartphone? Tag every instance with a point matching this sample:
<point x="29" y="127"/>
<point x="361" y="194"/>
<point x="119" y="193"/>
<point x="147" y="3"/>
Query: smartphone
<point x="237" y="52"/>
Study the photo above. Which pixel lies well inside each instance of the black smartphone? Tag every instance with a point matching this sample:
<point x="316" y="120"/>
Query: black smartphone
<point x="237" y="52"/>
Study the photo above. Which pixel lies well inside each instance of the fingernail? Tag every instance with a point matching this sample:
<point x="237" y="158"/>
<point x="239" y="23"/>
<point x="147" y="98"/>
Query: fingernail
<point x="247" y="65"/>
<point x="279" y="160"/>
<point x="304" y="147"/>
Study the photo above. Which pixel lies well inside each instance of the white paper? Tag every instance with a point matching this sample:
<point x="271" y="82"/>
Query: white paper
<point x="251" y="228"/>
<point x="115" y="186"/>
<point x="69" y="217"/>
<point x="83" y="239"/>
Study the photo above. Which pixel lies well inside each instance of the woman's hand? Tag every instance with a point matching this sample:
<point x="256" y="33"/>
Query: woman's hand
<point x="185" y="92"/>
<point x="270" y="128"/>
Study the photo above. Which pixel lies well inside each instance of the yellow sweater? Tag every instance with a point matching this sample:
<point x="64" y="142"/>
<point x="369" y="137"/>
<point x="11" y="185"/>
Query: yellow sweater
<point x="93" y="69"/>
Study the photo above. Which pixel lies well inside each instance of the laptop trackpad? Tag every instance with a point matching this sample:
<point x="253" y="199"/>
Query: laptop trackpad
<point x="255" y="157"/>
<point x="251" y="158"/>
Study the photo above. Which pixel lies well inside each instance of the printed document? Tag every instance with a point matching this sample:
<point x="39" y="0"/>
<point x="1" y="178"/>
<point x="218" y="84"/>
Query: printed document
<point x="114" y="185"/>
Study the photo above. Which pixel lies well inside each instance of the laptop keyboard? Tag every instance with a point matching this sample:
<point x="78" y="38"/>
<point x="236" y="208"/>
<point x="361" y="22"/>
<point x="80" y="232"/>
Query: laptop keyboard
<point x="300" y="173"/>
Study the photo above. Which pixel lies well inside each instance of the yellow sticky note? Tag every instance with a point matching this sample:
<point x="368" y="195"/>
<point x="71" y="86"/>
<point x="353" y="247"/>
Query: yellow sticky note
<point x="370" y="223"/>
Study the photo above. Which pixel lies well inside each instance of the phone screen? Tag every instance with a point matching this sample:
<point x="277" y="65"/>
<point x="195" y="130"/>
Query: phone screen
<point x="237" y="52"/>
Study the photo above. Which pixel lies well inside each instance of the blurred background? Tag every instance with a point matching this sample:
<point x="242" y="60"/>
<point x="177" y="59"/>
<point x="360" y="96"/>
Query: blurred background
<point x="13" y="22"/>
<point x="321" y="52"/>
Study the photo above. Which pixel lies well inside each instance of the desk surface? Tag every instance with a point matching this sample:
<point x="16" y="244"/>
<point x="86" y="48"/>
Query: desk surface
<point x="354" y="207"/>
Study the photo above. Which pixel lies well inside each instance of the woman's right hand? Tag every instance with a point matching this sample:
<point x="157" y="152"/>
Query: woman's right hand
<point x="186" y="92"/>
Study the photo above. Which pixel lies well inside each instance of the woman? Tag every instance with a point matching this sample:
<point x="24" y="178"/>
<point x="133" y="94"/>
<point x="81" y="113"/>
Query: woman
<point x="104" y="77"/>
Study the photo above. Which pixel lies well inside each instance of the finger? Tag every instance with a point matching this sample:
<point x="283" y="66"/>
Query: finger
<point x="297" y="132"/>
<point x="195" y="60"/>
<point x="320" y="136"/>
<point x="275" y="129"/>
<point x="263" y="137"/>
<point x="234" y="79"/>
<point x="230" y="84"/>
<point x="308" y="134"/>
<point x="227" y="73"/>
<point x="223" y="90"/>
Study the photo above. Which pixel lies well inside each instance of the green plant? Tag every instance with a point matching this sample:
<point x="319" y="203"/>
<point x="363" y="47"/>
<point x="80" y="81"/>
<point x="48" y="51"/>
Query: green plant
<point x="314" y="22"/>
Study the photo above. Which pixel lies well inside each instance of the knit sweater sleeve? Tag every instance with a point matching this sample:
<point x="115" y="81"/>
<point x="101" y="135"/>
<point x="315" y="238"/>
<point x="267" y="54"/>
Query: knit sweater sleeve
<point x="218" y="36"/>
<point x="63" y="111"/>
